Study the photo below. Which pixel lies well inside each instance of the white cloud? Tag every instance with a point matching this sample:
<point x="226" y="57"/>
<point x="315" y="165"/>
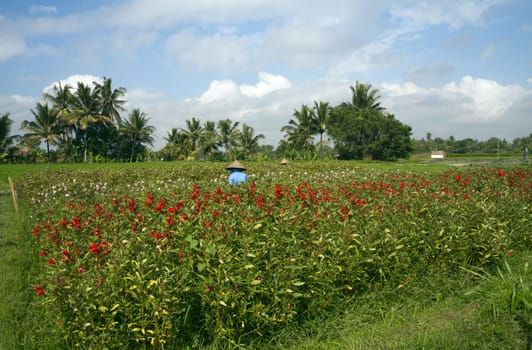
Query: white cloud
<point x="454" y="13"/>
<point x="369" y="56"/>
<point x="10" y="46"/>
<point x="487" y="53"/>
<point x="73" y="81"/>
<point x="471" y="108"/>
<point x="267" y="84"/>
<point x="489" y="100"/>
<point x="23" y="100"/>
<point x="526" y="27"/>
<point x="18" y="107"/>
<point x="227" y="91"/>
<point x="430" y="72"/>
<point x="220" y="91"/>
<point x="42" y="9"/>
<point x="145" y="95"/>
<point x="479" y="100"/>
<point x="216" y="52"/>
<point x="530" y="80"/>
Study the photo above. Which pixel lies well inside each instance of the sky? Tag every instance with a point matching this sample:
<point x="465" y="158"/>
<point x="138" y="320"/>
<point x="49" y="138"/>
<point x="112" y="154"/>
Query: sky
<point x="460" y="68"/>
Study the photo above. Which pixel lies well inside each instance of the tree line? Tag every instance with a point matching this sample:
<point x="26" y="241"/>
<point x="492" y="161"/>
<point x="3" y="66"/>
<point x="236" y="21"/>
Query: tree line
<point x="468" y="145"/>
<point x="79" y="123"/>
<point x="85" y="123"/>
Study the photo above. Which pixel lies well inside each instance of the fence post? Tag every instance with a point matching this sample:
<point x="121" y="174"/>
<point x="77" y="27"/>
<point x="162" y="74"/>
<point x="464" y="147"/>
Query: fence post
<point x="13" y="193"/>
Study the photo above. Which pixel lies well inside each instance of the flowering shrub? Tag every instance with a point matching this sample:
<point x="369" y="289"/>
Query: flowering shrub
<point x="167" y="260"/>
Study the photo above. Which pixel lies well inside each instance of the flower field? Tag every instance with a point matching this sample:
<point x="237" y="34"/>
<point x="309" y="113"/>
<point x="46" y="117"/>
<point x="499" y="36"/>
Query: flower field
<point x="172" y="257"/>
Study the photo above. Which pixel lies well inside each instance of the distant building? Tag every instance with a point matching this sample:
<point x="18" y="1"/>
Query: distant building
<point x="437" y="155"/>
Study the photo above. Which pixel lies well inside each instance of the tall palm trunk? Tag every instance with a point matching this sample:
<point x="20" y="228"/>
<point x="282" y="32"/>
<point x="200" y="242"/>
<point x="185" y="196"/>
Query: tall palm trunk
<point x="85" y="147"/>
<point x="132" y="152"/>
<point x="321" y="143"/>
<point x="48" y="150"/>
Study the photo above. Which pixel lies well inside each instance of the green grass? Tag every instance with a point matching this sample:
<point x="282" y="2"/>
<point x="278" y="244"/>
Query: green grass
<point x="17" y="259"/>
<point x="445" y="311"/>
<point x="434" y="312"/>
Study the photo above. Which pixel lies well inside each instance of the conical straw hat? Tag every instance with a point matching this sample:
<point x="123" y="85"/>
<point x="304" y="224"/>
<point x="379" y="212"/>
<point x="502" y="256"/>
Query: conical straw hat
<point x="235" y="165"/>
<point x="284" y="161"/>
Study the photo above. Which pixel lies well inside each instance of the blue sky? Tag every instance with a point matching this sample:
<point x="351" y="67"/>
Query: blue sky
<point x="456" y="67"/>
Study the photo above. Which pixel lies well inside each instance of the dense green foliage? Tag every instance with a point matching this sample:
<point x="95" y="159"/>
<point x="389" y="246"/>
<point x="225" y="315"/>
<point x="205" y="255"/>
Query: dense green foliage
<point x="360" y="134"/>
<point x="169" y="257"/>
<point x="5" y="129"/>
<point x="358" y="129"/>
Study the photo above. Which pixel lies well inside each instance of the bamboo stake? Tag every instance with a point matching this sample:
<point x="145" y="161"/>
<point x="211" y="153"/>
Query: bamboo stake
<point x="13" y="193"/>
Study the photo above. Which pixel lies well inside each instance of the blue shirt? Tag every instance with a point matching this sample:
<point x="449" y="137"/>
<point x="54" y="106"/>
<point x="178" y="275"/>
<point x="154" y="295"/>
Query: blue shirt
<point x="237" y="176"/>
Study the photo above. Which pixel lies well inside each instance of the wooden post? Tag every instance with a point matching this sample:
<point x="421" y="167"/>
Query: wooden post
<point x="13" y="193"/>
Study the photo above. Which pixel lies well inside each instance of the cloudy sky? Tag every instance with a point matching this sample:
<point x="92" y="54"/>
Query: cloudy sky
<point x="448" y="67"/>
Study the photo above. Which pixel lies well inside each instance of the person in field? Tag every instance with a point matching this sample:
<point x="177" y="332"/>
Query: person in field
<point x="238" y="173"/>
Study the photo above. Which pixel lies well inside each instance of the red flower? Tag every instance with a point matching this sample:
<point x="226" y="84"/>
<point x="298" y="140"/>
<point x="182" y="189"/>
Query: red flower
<point x="150" y="199"/>
<point x="160" y="205"/>
<point x="75" y="222"/>
<point x="51" y="262"/>
<point x="81" y="269"/>
<point x="184" y="217"/>
<point x="278" y="190"/>
<point x="39" y="290"/>
<point x="97" y="232"/>
<point x="170" y="220"/>
<point x="95" y="248"/>
<point x="157" y="235"/>
<point x="97" y="208"/>
<point x="510" y="253"/>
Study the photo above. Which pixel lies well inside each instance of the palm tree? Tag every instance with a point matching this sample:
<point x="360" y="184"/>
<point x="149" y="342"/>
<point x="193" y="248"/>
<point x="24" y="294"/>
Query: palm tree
<point x="111" y="101"/>
<point x="248" y="140"/>
<point x="137" y="131"/>
<point x="193" y="132"/>
<point x="61" y="99"/>
<point x="85" y="111"/>
<point x="44" y="127"/>
<point x="320" y="114"/>
<point x="299" y="131"/>
<point x="229" y="135"/>
<point x="210" y="140"/>
<point x="5" y="129"/>
<point x="178" y="144"/>
<point x="364" y="97"/>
